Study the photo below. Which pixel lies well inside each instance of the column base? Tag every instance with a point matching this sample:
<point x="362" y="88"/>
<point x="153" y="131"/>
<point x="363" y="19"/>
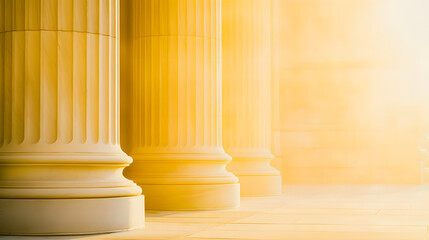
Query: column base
<point x="70" y="216"/>
<point x="192" y="197"/>
<point x="260" y="186"/>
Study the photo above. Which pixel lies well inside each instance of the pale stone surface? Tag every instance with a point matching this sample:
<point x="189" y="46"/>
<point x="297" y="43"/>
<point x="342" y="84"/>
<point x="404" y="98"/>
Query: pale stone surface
<point x="172" y="106"/>
<point x="380" y="212"/>
<point x="246" y="38"/>
<point x="70" y="216"/>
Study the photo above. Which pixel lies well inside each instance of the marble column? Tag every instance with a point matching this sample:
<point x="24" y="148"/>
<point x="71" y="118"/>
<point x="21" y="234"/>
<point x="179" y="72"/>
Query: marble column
<point x="275" y="89"/>
<point x="246" y="95"/>
<point x="175" y="118"/>
<point x="60" y="159"/>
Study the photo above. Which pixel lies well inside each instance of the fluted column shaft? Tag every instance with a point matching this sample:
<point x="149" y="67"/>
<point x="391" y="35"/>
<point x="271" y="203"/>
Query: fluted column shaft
<point x="59" y="115"/>
<point x="176" y="106"/>
<point x="275" y="87"/>
<point x="246" y="95"/>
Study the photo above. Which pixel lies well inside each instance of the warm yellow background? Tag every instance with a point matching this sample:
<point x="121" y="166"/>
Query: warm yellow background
<point x="353" y="87"/>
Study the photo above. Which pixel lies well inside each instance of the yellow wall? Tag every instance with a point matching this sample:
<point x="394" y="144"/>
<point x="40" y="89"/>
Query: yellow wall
<point x="353" y="86"/>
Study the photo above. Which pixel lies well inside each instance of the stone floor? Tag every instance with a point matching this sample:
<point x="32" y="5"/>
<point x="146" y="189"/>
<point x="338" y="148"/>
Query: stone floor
<point x="366" y="212"/>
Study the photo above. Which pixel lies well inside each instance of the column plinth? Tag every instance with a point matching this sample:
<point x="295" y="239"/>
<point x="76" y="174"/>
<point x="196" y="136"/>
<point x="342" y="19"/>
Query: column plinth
<point x="60" y="159"/>
<point x="174" y="106"/>
<point x="246" y="95"/>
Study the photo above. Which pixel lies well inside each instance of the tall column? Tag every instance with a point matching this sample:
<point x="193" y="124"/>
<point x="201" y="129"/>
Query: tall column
<point x="275" y="87"/>
<point x="176" y="114"/>
<point x="60" y="159"/>
<point x="246" y="95"/>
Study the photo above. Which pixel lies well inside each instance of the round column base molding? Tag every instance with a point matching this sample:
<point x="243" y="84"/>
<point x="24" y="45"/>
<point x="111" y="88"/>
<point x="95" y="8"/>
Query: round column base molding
<point x="182" y="197"/>
<point x="70" y="216"/>
<point x="260" y="185"/>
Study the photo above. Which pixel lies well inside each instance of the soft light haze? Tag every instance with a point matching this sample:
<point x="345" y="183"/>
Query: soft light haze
<point x="353" y="79"/>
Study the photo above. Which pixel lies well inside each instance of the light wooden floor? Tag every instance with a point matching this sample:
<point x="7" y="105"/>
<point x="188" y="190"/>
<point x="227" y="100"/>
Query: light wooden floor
<point x="387" y="212"/>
